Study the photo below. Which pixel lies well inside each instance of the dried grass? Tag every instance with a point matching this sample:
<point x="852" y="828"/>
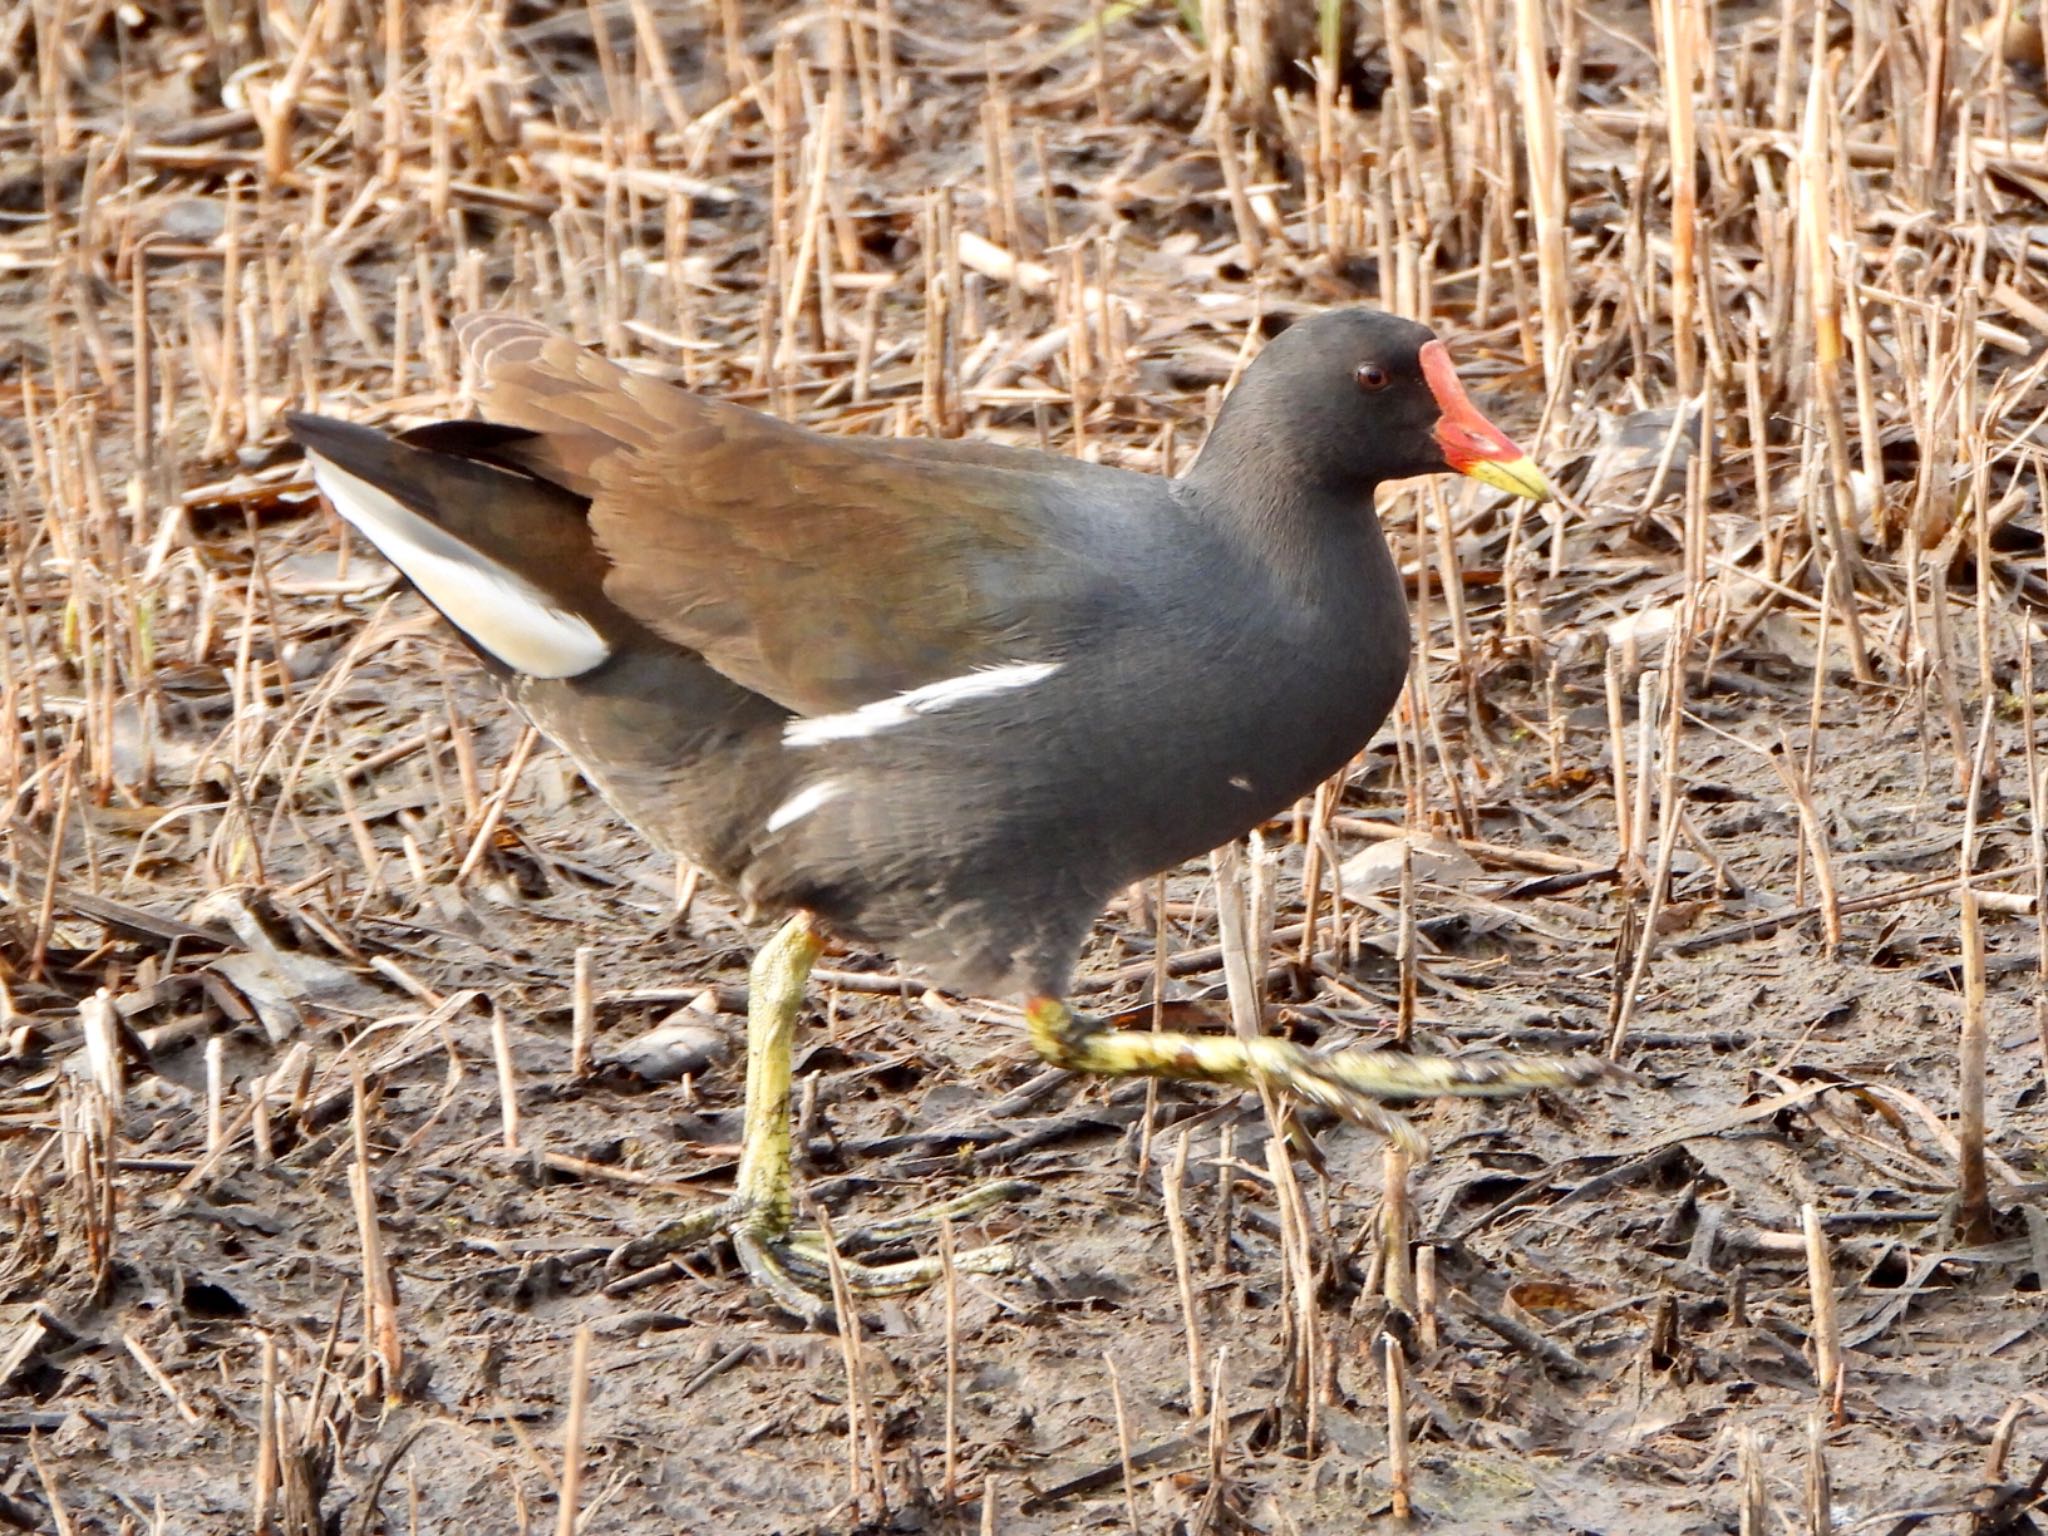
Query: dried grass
<point x="1761" y="283"/>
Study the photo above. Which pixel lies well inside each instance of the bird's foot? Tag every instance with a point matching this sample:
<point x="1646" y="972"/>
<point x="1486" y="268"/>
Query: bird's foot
<point x="792" y="1264"/>
<point x="1352" y="1083"/>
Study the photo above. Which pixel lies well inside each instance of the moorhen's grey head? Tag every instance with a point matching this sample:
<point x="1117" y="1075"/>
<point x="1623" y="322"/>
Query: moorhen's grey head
<point x="1343" y="400"/>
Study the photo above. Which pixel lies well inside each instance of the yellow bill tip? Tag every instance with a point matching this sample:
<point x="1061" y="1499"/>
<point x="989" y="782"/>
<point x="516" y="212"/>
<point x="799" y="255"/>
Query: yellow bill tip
<point x="1518" y="477"/>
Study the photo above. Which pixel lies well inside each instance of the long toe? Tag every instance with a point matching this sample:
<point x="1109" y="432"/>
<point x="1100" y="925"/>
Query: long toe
<point x="796" y="1273"/>
<point x="1357" y="1083"/>
<point x="927" y="1220"/>
<point x="794" y="1287"/>
<point x="627" y="1264"/>
<point x="1476" y="1075"/>
<point x="793" y="1267"/>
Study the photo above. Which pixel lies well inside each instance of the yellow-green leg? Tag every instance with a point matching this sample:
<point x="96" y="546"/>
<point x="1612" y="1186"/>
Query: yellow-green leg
<point x="1350" y="1083"/>
<point x="788" y="1263"/>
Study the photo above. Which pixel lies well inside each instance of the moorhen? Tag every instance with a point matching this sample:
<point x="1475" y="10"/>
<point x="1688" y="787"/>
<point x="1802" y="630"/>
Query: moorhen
<point x="943" y="698"/>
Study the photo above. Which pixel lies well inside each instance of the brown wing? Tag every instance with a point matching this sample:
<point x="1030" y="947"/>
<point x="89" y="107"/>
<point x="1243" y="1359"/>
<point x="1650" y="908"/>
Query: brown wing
<point x="822" y="572"/>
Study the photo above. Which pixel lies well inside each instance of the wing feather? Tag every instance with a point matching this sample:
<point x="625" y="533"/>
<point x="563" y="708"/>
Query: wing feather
<point x="823" y="572"/>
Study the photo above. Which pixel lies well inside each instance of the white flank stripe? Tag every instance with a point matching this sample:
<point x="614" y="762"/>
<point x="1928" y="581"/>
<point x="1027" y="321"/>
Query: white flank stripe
<point x="499" y="609"/>
<point x="803" y="802"/>
<point x="887" y="714"/>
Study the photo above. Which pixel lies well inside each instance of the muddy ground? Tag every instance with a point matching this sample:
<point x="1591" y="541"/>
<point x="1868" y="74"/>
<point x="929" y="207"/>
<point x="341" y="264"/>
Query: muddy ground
<point x="271" y="831"/>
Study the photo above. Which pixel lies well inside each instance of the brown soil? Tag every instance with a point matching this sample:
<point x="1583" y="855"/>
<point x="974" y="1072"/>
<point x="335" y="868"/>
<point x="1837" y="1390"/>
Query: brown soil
<point x="251" y="777"/>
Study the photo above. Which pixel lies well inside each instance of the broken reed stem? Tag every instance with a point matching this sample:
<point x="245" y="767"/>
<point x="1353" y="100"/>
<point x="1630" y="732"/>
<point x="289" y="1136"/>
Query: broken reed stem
<point x="1396" y="1284"/>
<point x="2037" y="809"/>
<point x="1400" y="1479"/>
<point x="508" y="1079"/>
<point x="1303" y="1395"/>
<point x="1162" y="936"/>
<point x="1827" y="1333"/>
<point x="1646" y="757"/>
<point x="216" y="1094"/>
<point x="1226" y="1194"/>
<point x="1428" y="1297"/>
<point x="1123" y="1440"/>
<point x="1998" y="1454"/>
<point x="1675" y="57"/>
<point x="572" y="1433"/>
<point x="1814" y="833"/>
<point x="266" y="1478"/>
<point x="582" y="1015"/>
<point x="1818" y="1491"/>
<point x="1404" y="951"/>
<point x="1547" y="207"/>
<point x="1171" y="1186"/>
<point x="861" y="1429"/>
<point x="1656" y="703"/>
<point x="494" y="810"/>
<point x="1626" y="858"/>
<point x="1753" y="1509"/>
<point x="950" y="1278"/>
<point x="1239" y="869"/>
<point x="1973" y="1192"/>
<point x="2037" y="806"/>
<point x="139" y="1352"/>
<point x="60" y="1514"/>
<point x="46" y="910"/>
<point x="385" y="1356"/>
<point x="1219" y="1415"/>
<point x="259" y="1115"/>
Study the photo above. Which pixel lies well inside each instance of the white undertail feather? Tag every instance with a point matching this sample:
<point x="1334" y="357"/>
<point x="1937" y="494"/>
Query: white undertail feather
<point x="497" y="608"/>
<point x="901" y="709"/>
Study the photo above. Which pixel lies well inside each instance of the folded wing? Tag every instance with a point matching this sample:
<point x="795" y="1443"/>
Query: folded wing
<point x="823" y="572"/>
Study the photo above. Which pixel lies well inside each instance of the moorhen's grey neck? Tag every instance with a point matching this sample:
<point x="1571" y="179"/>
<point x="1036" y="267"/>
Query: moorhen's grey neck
<point x="941" y="698"/>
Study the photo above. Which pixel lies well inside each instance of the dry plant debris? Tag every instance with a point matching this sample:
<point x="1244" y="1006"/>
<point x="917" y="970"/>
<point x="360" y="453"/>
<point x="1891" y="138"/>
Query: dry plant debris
<point x="314" y="1126"/>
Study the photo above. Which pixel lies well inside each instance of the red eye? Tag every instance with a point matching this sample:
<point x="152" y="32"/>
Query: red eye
<point x="1370" y="376"/>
